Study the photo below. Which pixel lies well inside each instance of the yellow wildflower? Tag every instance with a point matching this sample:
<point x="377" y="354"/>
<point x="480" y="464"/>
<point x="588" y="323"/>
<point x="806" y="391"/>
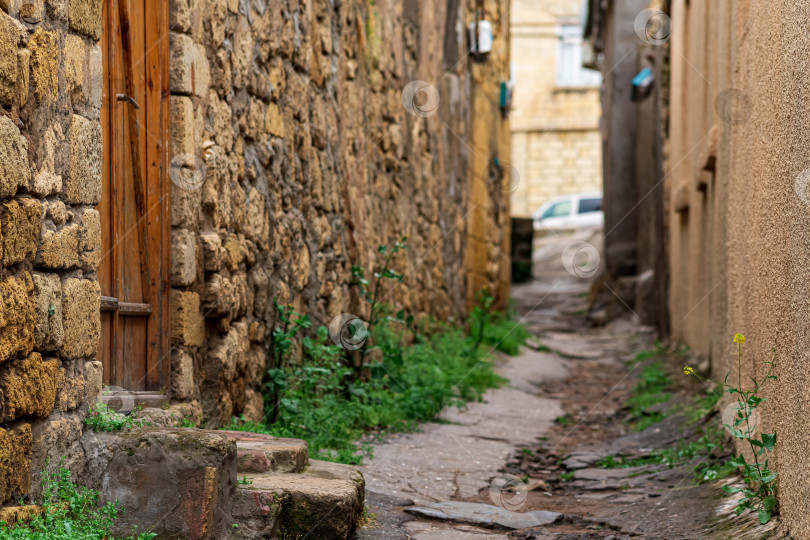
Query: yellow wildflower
<point x="739" y="338"/>
<point x="688" y="370"/>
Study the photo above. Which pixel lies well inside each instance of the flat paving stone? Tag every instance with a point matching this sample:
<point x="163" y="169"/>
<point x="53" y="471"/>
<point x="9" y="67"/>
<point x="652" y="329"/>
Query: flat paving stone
<point x="484" y="515"/>
<point x="431" y="530"/>
<point x="573" y="346"/>
<point x="458" y="458"/>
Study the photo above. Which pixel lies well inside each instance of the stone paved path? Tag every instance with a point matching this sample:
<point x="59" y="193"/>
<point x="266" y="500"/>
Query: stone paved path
<point x="458" y="457"/>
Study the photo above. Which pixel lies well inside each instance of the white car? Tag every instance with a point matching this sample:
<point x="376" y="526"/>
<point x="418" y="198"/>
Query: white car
<point x="583" y="210"/>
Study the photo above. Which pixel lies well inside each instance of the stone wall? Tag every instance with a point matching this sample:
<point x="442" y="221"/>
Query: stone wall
<point x="312" y="160"/>
<point x="554" y="163"/>
<point x="50" y="184"/>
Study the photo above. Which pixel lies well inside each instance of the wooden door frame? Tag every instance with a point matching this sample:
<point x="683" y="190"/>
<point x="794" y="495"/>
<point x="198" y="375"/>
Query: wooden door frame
<point x="156" y="133"/>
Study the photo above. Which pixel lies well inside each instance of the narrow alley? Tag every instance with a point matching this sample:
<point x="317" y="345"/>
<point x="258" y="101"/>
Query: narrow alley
<point x="404" y="269"/>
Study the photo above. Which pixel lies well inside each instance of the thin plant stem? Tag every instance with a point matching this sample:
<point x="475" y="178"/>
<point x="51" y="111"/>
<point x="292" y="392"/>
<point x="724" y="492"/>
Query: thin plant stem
<point x="746" y="411"/>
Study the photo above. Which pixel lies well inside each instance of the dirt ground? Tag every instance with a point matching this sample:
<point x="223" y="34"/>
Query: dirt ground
<point x="581" y="378"/>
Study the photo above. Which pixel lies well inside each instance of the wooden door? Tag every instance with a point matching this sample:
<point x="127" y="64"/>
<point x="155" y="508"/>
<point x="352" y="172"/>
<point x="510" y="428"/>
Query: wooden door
<point x="134" y="272"/>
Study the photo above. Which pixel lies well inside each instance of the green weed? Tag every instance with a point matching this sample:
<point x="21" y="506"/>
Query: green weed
<point x="67" y="512"/>
<point x="564" y="420"/>
<point x="759" y="491"/>
<point x="652" y="389"/>
<point x="412" y="382"/>
<point x="103" y="418"/>
<point x="567" y="476"/>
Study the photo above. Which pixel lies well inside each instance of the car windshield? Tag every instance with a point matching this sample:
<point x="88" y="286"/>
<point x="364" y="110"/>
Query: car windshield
<point x="559" y="209"/>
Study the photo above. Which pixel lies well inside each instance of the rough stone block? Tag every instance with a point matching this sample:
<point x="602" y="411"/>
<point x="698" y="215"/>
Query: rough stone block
<point x="48" y="332"/>
<point x="83" y="185"/>
<point x="69" y="391"/>
<point x="23" y="64"/>
<point x="185" y="207"/>
<point x="53" y="438"/>
<point x="57" y="9"/>
<point x="20" y="223"/>
<point x="182" y="375"/>
<point x="184" y="139"/>
<point x="258" y="223"/>
<point x="226" y="354"/>
<point x="181" y="60"/>
<point x="132" y="468"/>
<point x="274" y="120"/>
<point x="254" y="406"/>
<point x="81" y="317"/>
<point x="45" y="183"/>
<point x="15" y="462"/>
<point x="94" y="377"/>
<point x="95" y="78"/>
<point x="184" y="257"/>
<point x="226" y="297"/>
<point x="60" y="247"/>
<point x="9" y="38"/>
<point x="255" y="363"/>
<point x="90" y="240"/>
<point x="187" y="321"/>
<point x="44" y="63"/>
<point x="74" y="61"/>
<point x="179" y="15"/>
<point x="28" y="387"/>
<point x="16" y="316"/>
<point x="323" y="501"/>
<point x="85" y="17"/>
<point x="213" y="251"/>
<point x="14" y="170"/>
<point x="31" y="12"/>
<point x="48" y="146"/>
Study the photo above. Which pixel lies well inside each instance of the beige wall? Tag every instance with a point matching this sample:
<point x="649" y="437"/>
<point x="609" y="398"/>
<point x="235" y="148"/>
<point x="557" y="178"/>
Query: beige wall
<point x="556" y="146"/>
<point x="740" y="238"/>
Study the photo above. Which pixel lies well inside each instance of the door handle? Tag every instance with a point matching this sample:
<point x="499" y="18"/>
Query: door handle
<point x="127" y="99"/>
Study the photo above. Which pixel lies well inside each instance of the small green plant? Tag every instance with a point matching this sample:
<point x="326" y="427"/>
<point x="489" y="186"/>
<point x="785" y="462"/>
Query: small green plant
<point x="567" y="476"/>
<point x="684" y="452"/>
<point x="67" y="512"/>
<point x="289" y="325"/>
<point x="564" y="420"/>
<point x="495" y="329"/>
<point x="185" y="423"/>
<point x="368" y="519"/>
<point x="759" y="491"/>
<point x="103" y="418"/>
<point x="243" y="481"/>
<point x="651" y="389"/>
<point x="372" y="295"/>
<point x="703" y="405"/>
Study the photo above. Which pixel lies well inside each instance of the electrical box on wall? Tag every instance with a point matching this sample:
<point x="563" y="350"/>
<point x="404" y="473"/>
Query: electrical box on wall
<point x="481" y="43"/>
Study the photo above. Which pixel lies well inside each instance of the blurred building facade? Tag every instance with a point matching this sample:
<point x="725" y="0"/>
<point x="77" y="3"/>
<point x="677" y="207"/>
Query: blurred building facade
<point x="726" y="122"/>
<point x="556" y="146"/>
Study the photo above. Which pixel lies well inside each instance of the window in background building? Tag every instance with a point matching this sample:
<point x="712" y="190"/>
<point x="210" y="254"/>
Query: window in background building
<point x="570" y="72"/>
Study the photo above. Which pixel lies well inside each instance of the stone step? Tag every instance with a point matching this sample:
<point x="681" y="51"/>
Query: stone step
<point x="260" y="453"/>
<point x="324" y="501"/>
